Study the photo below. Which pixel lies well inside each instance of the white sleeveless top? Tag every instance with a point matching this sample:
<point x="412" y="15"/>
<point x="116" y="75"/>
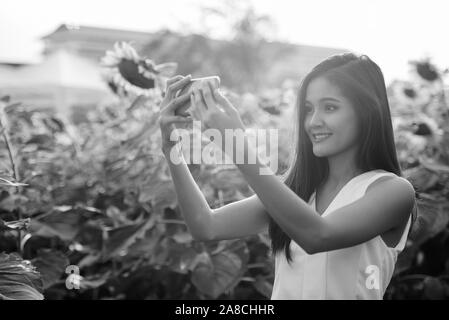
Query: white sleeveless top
<point x="359" y="272"/>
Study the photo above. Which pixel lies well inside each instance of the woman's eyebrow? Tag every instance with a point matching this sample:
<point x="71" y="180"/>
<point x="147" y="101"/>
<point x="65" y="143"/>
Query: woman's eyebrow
<point x="325" y="99"/>
<point x="329" y="99"/>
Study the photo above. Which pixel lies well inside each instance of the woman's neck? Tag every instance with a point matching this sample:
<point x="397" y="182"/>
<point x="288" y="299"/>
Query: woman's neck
<point x="342" y="168"/>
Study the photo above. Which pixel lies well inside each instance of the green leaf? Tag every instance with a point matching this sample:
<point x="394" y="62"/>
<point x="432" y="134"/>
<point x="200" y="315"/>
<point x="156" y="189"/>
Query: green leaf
<point x="89" y="260"/>
<point x="217" y="273"/>
<point x="95" y="281"/>
<point x="433" y="217"/>
<point x="161" y="194"/>
<point x="11" y="183"/>
<point x="422" y="178"/>
<point x="437" y="167"/>
<point x="405" y="259"/>
<point x="434" y="289"/>
<point x="13" y="201"/>
<point x="90" y="236"/>
<point x="146" y="246"/>
<point x="181" y="258"/>
<point x="22" y="224"/>
<point x="228" y="179"/>
<point x="121" y="238"/>
<point x="64" y="222"/>
<point x="41" y="139"/>
<point x="19" y="279"/>
<point x="51" y="264"/>
<point x="263" y="286"/>
<point x="137" y="103"/>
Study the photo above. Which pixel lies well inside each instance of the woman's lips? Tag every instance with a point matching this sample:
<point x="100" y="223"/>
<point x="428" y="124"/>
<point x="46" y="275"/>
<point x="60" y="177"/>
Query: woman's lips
<point x="321" y="137"/>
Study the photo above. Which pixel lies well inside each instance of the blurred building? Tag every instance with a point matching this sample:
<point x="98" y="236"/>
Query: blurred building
<point x="90" y="42"/>
<point x="63" y="80"/>
<point x="70" y="74"/>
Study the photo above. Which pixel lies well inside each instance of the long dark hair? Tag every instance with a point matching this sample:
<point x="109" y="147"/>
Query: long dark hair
<point x="362" y="82"/>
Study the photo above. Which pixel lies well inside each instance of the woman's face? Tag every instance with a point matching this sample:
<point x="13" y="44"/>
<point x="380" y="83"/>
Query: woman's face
<point x="330" y="119"/>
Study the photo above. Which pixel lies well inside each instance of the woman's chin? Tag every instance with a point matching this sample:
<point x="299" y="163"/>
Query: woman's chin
<point x="320" y="152"/>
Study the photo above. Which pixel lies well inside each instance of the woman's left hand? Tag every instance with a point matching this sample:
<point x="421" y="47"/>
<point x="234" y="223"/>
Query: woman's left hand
<point x="214" y="110"/>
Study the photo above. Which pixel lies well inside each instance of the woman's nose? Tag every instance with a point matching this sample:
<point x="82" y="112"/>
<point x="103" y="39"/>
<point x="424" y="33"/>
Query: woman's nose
<point x="315" y="119"/>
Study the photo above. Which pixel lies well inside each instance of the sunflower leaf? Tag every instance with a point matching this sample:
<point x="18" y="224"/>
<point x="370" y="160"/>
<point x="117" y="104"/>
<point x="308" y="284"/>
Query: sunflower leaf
<point x="19" y="279"/>
<point x="22" y="224"/>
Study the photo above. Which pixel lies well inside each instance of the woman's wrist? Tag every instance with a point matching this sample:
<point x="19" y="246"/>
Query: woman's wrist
<point x="173" y="153"/>
<point x="168" y="143"/>
<point x="168" y="146"/>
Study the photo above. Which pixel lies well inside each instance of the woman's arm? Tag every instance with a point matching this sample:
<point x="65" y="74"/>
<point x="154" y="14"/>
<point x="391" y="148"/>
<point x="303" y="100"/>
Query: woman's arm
<point x="294" y="216"/>
<point x="193" y="205"/>
<point x="385" y="206"/>
<point x="235" y="220"/>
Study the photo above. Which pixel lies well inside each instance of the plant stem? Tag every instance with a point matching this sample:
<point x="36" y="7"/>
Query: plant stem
<point x="4" y="132"/>
<point x="166" y="221"/>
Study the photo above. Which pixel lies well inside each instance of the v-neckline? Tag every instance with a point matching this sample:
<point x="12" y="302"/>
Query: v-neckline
<point x="336" y="196"/>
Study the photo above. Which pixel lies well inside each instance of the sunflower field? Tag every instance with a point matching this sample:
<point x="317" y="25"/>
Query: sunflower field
<point x="88" y="209"/>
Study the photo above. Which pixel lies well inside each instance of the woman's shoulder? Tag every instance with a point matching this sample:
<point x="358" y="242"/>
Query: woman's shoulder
<point x="395" y="184"/>
<point x="384" y="178"/>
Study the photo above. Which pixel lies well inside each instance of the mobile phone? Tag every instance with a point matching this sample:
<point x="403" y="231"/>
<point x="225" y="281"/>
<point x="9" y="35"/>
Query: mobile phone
<point x="194" y="84"/>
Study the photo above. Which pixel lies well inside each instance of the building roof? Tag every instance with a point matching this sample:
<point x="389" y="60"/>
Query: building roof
<point x="67" y="31"/>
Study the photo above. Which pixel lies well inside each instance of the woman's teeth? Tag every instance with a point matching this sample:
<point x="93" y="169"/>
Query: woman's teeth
<point x="321" y="137"/>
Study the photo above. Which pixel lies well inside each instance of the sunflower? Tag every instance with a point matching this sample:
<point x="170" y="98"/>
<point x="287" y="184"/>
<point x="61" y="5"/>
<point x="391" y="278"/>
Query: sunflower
<point x="407" y="97"/>
<point x="419" y="133"/>
<point x="426" y="70"/>
<point x="127" y="72"/>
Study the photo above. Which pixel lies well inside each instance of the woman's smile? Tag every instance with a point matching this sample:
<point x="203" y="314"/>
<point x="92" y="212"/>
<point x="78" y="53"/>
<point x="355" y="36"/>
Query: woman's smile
<point x="319" y="137"/>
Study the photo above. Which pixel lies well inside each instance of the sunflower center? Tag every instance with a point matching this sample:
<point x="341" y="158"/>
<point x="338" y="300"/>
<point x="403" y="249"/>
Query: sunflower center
<point x="130" y="72"/>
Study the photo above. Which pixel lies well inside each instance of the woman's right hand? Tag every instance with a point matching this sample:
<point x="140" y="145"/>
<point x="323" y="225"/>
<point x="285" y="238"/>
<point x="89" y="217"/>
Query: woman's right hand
<point x="168" y="106"/>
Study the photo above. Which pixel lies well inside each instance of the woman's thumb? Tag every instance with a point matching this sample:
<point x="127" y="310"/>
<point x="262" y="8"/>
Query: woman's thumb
<point x="222" y="100"/>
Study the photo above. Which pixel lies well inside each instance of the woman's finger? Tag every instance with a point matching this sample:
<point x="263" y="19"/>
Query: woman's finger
<point x="167" y="120"/>
<point x="174" y="87"/>
<point x="176" y="103"/>
<point x="223" y="101"/>
<point x="193" y="108"/>
<point x="174" y="79"/>
<point x="208" y="96"/>
<point x="199" y="105"/>
<point x="169" y="82"/>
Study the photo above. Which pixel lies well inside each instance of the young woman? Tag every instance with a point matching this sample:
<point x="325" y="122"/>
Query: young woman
<point x="341" y="214"/>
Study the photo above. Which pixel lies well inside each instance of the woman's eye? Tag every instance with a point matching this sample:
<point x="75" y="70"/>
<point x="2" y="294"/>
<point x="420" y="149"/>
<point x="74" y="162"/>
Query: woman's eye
<point x="331" y="107"/>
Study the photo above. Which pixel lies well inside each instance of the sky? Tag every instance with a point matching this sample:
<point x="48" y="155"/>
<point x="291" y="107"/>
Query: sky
<point x="391" y="32"/>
